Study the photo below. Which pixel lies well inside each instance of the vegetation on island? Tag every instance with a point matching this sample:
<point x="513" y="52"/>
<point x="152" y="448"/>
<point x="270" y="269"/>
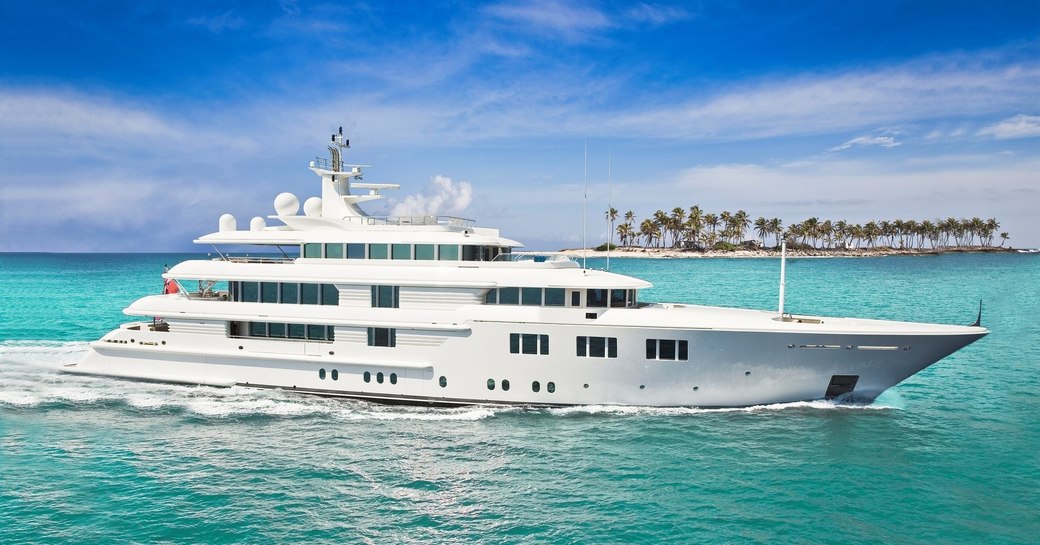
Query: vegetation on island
<point x="695" y="229"/>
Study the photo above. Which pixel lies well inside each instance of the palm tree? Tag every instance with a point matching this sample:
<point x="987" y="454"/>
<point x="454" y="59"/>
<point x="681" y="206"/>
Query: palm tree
<point x="611" y="215"/>
<point x="660" y="221"/>
<point x="762" y="228"/>
<point x="725" y="221"/>
<point x="776" y="227"/>
<point x="740" y="224"/>
<point x="677" y="219"/>
<point x="649" y="230"/>
<point x="1003" y="238"/>
<point x="711" y="221"/>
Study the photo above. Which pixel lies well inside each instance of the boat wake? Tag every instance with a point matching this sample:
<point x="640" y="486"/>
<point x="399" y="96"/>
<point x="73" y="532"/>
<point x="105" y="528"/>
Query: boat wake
<point x="30" y="372"/>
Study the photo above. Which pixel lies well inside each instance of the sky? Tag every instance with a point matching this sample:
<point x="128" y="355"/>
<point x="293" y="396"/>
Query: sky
<point x="132" y="126"/>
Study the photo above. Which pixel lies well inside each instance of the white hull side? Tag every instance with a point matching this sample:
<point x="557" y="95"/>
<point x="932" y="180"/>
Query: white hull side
<point x="724" y="369"/>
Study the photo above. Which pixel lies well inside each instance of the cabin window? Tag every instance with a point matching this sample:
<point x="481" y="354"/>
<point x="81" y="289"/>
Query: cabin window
<point x="386" y="296"/>
<point x="250" y="292"/>
<point x="378" y="251"/>
<point x="382" y="336"/>
<point x="334" y="251"/>
<point x="402" y="251"/>
<point x="596" y="347"/>
<point x="555" y="297"/>
<point x="279" y="330"/>
<point x="355" y="251"/>
<point x="596" y="298"/>
<point x="492" y="297"/>
<point x="309" y="294"/>
<point x="312" y="250"/>
<point x="528" y="343"/>
<point x="448" y="252"/>
<point x="575" y="298"/>
<point x="535" y="386"/>
<point x="531" y="296"/>
<point x="329" y="294"/>
<point x="509" y="296"/>
<point x="276" y="330"/>
<point x="632" y="298"/>
<point x="268" y="292"/>
<point x="470" y="253"/>
<point x="424" y="252"/>
<point x="291" y="293"/>
<point x="297" y="331"/>
<point x="257" y="329"/>
<point x="617" y="298"/>
<point x="489" y="253"/>
<point x="667" y="349"/>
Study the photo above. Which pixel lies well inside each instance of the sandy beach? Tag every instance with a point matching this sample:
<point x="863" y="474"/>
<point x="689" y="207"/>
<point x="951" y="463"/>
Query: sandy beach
<point x="673" y="253"/>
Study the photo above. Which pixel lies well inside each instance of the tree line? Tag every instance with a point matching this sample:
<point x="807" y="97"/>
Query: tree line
<point x="697" y="229"/>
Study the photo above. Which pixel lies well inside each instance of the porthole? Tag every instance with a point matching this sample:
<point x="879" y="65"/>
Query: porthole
<point x="747" y="373"/>
<point x="164" y="343"/>
<point x="491" y="384"/>
<point x="335" y="374"/>
<point x="379" y="377"/>
<point x="321" y="374"/>
<point x="240" y="348"/>
<point x="586" y="386"/>
<point x="444" y="382"/>
<point x="505" y="385"/>
<point x="642" y="386"/>
<point x="695" y="388"/>
<point x="535" y="386"/>
<point x="550" y="387"/>
<point x="393" y="378"/>
<point x="131" y="340"/>
<point x="331" y="353"/>
<point x="367" y="376"/>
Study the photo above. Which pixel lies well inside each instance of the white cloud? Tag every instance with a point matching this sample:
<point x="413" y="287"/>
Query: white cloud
<point x="881" y="141"/>
<point x="1019" y="126"/>
<point x="218" y="23"/>
<point x="570" y="21"/>
<point x="655" y="14"/>
<point x="442" y="196"/>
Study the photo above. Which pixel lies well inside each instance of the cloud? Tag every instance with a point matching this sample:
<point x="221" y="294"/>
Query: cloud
<point x="1019" y="126"/>
<point x="882" y="141"/>
<point x="218" y="23"/>
<point x="655" y="14"/>
<point x="442" y="196"/>
<point x="570" y="21"/>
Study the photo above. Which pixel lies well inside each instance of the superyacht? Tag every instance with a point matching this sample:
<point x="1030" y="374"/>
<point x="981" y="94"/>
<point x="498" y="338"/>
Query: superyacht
<point x="436" y="310"/>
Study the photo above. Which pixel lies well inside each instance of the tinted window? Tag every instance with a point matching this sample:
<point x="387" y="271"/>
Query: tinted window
<point x="597" y="347"/>
<point x="684" y="350"/>
<point x="250" y="292"/>
<point x="611" y="347"/>
<point x="617" y="298"/>
<point x="355" y="251"/>
<point x="491" y="384"/>
<point x="596" y="298"/>
<point x="492" y="297"/>
<point x="543" y="345"/>
<point x="258" y="329"/>
<point x="550" y="387"/>
<point x="297" y="331"/>
<point x="509" y="296"/>
<point x="377" y="251"/>
<point x="575" y="298"/>
<point x="312" y="250"/>
<point x="651" y="349"/>
<point x="309" y="294"/>
<point x="329" y="294"/>
<point x="514" y="343"/>
<point x="554" y="297"/>
<point x="291" y="293"/>
<point x="315" y="332"/>
<point x="335" y="374"/>
<point x="449" y="252"/>
<point x="529" y="344"/>
<point x="532" y="296"/>
<point x="268" y="292"/>
<point x="424" y="251"/>
<point x="334" y="251"/>
<point x="470" y="253"/>
<point x="505" y="385"/>
<point x="535" y="386"/>
<point x="667" y="349"/>
<point x="276" y="330"/>
<point x="402" y="251"/>
<point x="582" y="343"/>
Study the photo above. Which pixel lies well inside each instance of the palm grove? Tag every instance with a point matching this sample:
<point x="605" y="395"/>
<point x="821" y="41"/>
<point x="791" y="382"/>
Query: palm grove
<point x="695" y="229"/>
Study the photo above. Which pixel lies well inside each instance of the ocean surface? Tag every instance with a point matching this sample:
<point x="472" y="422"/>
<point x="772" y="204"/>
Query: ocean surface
<point x="952" y="455"/>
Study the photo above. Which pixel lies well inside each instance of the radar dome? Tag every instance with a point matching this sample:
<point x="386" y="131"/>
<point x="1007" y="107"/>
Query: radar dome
<point x="227" y="223"/>
<point x="257" y="224"/>
<point x="286" y="204"/>
<point x="312" y="207"/>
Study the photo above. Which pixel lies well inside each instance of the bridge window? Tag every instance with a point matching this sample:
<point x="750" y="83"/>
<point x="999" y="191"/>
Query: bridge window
<point x="402" y="251"/>
<point x="470" y="253"/>
<point x="596" y="298"/>
<point x="531" y="296"/>
<point x="312" y="250"/>
<point x="555" y="297"/>
<point x="250" y="292"/>
<point x="268" y="292"/>
<point x="355" y="251"/>
<point x="378" y="251"/>
<point x="448" y="252"/>
<point x="309" y="294"/>
<point x="334" y="251"/>
<point x="291" y="293"/>
<point x="617" y="298"/>
<point x="424" y="252"/>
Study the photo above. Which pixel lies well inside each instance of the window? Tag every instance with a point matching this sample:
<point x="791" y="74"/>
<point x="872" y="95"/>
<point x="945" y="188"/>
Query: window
<point x="393" y="378"/>
<point x="268" y="292"/>
<point x="575" y="298"/>
<point x="280" y="330"/>
<point x="276" y="330"/>
<point x="424" y="252"/>
<point x="291" y="293"/>
<point x="309" y="294"/>
<point x="250" y="292"/>
<point x="443" y="382"/>
<point x="297" y="331"/>
<point x="505" y="385"/>
<point x="617" y="298"/>
<point x="401" y="251"/>
<point x="535" y="386"/>
<point x="329" y="294"/>
<point x="377" y="251"/>
<point x="509" y="296"/>
<point x="550" y="387"/>
<point x="492" y="297"/>
<point x="334" y="251"/>
<point x="596" y="298"/>
<point x="448" y="252"/>
<point x="335" y="374"/>
<point x="367" y="377"/>
<point x="667" y="349"/>
<point x="528" y="343"/>
<point x="386" y="297"/>
<point x="315" y="332"/>
<point x="470" y="253"/>
<point x="321" y="374"/>
<point x="312" y="250"/>
<point x="257" y="329"/>
<point x="491" y="384"/>
<point x="554" y="297"/>
<point x="379" y="377"/>
<point x="355" y="251"/>
<point x="382" y="336"/>
<point x="597" y="347"/>
<point x="531" y="296"/>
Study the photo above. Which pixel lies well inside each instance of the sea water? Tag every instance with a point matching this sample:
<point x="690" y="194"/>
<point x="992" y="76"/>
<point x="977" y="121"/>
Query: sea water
<point x="952" y="455"/>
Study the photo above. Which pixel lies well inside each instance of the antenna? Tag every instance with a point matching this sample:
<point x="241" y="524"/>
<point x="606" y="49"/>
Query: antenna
<point x="783" y="279"/>
<point x="585" y="211"/>
<point x="610" y="209"/>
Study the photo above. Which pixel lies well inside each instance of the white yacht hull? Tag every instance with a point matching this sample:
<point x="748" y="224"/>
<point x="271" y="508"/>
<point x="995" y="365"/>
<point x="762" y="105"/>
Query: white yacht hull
<point x="725" y="368"/>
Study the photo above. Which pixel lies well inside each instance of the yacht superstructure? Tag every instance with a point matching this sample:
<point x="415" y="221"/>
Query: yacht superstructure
<point x="435" y="310"/>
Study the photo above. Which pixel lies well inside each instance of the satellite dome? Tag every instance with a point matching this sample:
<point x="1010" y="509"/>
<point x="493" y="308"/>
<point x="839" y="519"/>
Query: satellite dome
<point x="286" y="204"/>
<point x="257" y="224"/>
<point x="312" y="207"/>
<point x="227" y="223"/>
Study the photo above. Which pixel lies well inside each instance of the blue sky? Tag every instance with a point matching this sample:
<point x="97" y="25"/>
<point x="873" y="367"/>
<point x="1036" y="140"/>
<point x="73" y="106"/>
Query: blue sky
<point x="130" y="126"/>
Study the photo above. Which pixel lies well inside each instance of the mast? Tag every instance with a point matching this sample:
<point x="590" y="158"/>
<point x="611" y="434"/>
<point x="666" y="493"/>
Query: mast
<point x="585" y="212"/>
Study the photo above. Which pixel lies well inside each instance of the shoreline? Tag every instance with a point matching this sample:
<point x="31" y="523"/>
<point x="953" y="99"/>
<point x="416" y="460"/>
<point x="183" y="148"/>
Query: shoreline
<point x="675" y="253"/>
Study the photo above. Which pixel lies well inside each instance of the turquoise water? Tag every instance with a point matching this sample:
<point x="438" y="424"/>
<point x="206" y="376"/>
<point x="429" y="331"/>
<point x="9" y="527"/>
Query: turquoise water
<point x="950" y="456"/>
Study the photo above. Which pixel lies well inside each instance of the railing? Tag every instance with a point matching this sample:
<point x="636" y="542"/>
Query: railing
<point x="448" y="221"/>
<point x="248" y="259"/>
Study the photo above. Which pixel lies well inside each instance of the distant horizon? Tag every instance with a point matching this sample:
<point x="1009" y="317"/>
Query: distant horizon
<point x="133" y="130"/>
